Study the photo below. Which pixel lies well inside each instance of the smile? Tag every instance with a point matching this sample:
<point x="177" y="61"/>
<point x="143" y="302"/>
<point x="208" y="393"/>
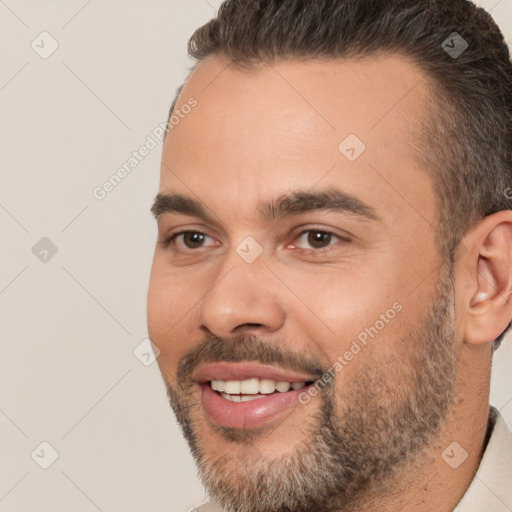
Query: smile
<point x="244" y="395"/>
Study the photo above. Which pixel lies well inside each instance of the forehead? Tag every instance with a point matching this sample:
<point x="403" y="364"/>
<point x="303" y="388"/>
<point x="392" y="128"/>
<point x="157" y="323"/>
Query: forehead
<point x="261" y="132"/>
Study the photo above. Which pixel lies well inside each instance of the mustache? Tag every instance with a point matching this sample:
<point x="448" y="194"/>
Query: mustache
<point x="251" y="349"/>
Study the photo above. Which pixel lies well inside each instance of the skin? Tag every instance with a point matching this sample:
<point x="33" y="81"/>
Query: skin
<point x="260" y="133"/>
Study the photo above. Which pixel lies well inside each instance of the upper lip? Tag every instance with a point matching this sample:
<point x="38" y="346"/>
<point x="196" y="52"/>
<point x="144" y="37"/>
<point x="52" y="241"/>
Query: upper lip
<point x="242" y="371"/>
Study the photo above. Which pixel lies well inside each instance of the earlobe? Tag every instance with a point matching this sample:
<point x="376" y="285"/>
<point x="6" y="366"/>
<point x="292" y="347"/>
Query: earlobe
<point x="480" y="297"/>
<point x="489" y="309"/>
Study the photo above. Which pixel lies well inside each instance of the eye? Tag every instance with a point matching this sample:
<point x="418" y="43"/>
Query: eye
<point x="316" y="239"/>
<point x="188" y="239"/>
<point x="191" y="240"/>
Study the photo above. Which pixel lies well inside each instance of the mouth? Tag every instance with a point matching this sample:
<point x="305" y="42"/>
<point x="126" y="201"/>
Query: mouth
<point x="243" y="395"/>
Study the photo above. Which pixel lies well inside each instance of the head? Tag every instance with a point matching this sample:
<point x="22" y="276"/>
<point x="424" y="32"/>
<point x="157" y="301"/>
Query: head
<point x="333" y="209"/>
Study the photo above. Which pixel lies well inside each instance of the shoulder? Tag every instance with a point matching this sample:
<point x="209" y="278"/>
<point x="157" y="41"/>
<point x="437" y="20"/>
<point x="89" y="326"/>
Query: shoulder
<point x="208" y="507"/>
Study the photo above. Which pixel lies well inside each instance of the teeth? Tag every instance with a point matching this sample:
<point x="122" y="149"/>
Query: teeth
<point x="267" y="386"/>
<point x="250" y="386"/>
<point x="232" y="387"/>
<point x="282" y="387"/>
<point x="240" y="398"/>
<point x="253" y="387"/>
<point x="217" y="385"/>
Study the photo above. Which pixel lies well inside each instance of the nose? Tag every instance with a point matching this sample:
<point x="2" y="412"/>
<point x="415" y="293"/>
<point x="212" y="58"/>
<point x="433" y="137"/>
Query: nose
<point x="241" y="300"/>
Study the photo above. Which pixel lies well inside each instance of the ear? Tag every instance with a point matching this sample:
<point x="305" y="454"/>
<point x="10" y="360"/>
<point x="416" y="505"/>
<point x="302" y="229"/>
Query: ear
<point x="488" y="272"/>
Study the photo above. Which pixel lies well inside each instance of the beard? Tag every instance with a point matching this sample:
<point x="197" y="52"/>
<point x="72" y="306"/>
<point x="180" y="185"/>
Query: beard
<point x="353" y="449"/>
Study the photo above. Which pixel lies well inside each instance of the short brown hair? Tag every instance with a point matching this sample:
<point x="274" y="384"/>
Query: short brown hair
<point x="466" y="141"/>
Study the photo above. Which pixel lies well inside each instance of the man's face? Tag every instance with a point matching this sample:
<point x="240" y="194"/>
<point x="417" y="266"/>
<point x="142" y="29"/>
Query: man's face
<point x="293" y="292"/>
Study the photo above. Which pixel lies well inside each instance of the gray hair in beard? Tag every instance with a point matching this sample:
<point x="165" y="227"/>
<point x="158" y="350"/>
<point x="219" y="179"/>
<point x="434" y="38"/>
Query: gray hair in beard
<point x="356" y="444"/>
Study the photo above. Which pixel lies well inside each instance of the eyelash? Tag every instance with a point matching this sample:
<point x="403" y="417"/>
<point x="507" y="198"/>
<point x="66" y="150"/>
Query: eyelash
<point x="170" y="239"/>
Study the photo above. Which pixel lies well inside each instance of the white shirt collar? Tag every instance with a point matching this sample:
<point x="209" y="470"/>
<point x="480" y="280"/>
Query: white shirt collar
<point x="491" y="489"/>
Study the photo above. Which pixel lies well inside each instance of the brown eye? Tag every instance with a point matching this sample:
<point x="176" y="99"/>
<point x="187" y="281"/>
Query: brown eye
<point x="186" y="240"/>
<point x="193" y="239"/>
<point x="319" y="239"/>
<point x="316" y="239"/>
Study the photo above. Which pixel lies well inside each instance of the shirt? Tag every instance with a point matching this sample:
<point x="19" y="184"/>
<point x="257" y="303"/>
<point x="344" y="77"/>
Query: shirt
<point x="491" y="488"/>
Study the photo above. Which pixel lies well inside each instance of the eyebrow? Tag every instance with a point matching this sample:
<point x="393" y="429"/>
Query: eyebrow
<point x="294" y="203"/>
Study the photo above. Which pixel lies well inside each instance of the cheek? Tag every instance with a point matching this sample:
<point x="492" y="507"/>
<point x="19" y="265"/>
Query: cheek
<point x="157" y="301"/>
<point x="163" y="327"/>
<point x="341" y="306"/>
<point x="167" y="304"/>
<point x="174" y="298"/>
<point x="341" y="300"/>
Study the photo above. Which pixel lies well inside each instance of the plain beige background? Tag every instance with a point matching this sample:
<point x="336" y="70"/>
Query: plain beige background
<point x="71" y="321"/>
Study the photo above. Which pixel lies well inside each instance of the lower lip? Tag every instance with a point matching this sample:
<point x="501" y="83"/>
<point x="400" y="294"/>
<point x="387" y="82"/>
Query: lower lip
<point x="246" y="415"/>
